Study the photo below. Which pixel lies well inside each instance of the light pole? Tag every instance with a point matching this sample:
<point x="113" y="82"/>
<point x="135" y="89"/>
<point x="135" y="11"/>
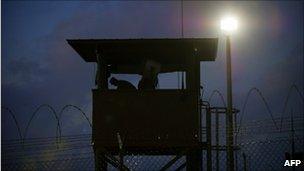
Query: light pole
<point x="228" y="25"/>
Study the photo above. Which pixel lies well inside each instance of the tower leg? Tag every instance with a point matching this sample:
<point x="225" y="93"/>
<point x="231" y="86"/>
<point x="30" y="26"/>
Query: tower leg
<point x="100" y="162"/>
<point x="194" y="160"/>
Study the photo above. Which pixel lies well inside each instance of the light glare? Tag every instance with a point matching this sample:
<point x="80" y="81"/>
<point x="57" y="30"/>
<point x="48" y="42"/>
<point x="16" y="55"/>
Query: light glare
<point x="229" y="24"/>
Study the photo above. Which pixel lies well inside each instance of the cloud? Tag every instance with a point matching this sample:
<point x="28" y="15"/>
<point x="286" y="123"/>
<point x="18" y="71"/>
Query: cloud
<point x="23" y="71"/>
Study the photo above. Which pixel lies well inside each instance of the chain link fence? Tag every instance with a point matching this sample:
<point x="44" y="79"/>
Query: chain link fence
<point x="76" y="153"/>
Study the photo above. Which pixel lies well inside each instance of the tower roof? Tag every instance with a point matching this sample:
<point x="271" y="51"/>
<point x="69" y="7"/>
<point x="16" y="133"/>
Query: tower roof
<point x="172" y="54"/>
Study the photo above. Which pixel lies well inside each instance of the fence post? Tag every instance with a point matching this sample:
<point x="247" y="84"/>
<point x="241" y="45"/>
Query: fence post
<point x="194" y="160"/>
<point x="209" y="150"/>
<point x="292" y="140"/>
<point x="244" y="162"/>
<point x="234" y="112"/>
<point x="121" y="162"/>
<point x="100" y="162"/>
<point x="217" y="138"/>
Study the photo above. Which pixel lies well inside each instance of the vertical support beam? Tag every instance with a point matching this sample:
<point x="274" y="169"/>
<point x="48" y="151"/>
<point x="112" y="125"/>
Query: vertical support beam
<point x="217" y="139"/>
<point x="100" y="163"/>
<point x="209" y="150"/>
<point x="121" y="155"/>
<point x="102" y="84"/>
<point x="229" y="115"/>
<point x="121" y="161"/>
<point x="102" y="72"/>
<point x="244" y="162"/>
<point x="197" y="86"/>
<point x="194" y="158"/>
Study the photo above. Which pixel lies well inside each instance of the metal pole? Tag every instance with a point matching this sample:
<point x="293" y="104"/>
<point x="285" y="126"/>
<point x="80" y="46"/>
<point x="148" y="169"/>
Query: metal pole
<point x="182" y="24"/>
<point x="229" y="117"/>
<point x="209" y="146"/>
<point x="217" y="139"/>
<point x="102" y="79"/>
<point x="121" y="162"/>
<point x="292" y="141"/>
<point x="235" y="139"/>
<point x="244" y="162"/>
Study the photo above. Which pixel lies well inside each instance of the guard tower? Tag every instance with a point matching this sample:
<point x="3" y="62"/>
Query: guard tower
<point x="163" y="122"/>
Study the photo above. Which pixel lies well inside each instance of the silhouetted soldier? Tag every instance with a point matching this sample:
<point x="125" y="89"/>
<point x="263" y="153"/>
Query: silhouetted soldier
<point x="149" y="78"/>
<point x="122" y="84"/>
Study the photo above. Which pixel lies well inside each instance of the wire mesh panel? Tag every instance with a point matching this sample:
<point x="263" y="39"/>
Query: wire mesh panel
<point x="267" y="155"/>
<point x="76" y="153"/>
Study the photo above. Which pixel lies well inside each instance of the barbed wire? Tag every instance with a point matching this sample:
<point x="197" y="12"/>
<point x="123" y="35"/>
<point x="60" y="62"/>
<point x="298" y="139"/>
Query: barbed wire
<point x="76" y="107"/>
<point x="220" y="95"/>
<point x="79" y="109"/>
<point x="292" y="87"/>
<point x="15" y="120"/>
<point x="264" y="101"/>
<point x="53" y="111"/>
<point x="254" y="89"/>
<point x="48" y="138"/>
<point x="34" y="114"/>
<point x="251" y="126"/>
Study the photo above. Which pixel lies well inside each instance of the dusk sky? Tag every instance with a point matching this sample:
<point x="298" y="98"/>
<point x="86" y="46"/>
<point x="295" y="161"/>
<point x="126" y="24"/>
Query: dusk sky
<point x="39" y="67"/>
